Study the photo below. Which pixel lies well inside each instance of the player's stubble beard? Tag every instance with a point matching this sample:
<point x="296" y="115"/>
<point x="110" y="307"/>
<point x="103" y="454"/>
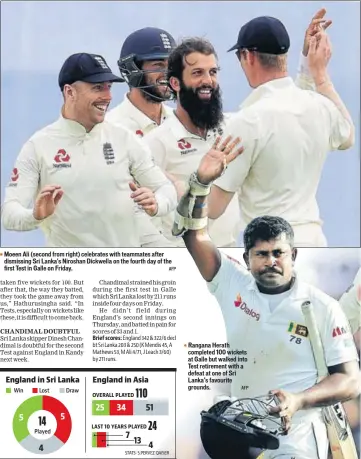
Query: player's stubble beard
<point x="205" y="114"/>
<point x="153" y="94"/>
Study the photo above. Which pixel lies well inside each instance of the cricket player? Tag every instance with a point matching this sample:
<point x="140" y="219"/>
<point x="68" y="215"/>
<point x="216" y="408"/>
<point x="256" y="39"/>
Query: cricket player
<point x="143" y="65"/>
<point x="351" y="304"/>
<point x="182" y="140"/>
<point x="75" y="178"/>
<point x="261" y="306"/>
<point x="287" y="132"/>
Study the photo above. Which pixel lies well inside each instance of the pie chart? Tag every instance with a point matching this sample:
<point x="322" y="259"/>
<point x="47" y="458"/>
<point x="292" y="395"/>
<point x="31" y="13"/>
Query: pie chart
<point x="42" y="424"/>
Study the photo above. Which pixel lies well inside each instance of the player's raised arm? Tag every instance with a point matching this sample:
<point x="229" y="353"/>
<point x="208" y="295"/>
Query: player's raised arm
<point x="191" y="216"/>
<point x="318" y="22"/>
<point x="318" y="56"/>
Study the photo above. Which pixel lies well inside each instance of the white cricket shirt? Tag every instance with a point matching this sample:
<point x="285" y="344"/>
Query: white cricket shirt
<point x="278" y="351"/>
<point x="134" y="119"/>
<point x="94" y="170"/>
<point x="179" y="152"/>
<point x="286" y="132"/>
<point x="351" y="303"/>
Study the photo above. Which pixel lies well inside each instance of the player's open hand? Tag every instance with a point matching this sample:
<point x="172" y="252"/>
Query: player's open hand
<point x="216" y="160"/>
<point x="46" y="201"/>
<point x="317" y="24"/>
<point x="289" y="404"/>
<point x="319" y="55"/>
<point x="145" y="198"/>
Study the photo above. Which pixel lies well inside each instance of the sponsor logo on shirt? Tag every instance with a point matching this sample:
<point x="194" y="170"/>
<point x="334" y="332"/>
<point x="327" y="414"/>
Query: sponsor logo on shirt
<point x="108" y="153"/>
<point x="185" y="147"/>
<point x="183" y="144"/>
<point x="239" y="303"/>
<point x="338" y="331"/>
<point x="139" y="133"/>
<point x="62" y="159"/>
<point x="14" y="177"/>
<point x="238" y="300"/>
<point x="297" y="329"/>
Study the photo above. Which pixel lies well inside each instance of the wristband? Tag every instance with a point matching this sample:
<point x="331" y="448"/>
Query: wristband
<point x="197" y="188"/>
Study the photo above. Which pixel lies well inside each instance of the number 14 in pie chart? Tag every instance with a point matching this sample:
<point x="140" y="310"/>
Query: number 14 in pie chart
<point x="42" y="424"/>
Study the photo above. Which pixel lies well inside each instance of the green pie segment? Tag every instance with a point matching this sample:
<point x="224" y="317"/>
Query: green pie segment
<point x="22" y="414"/>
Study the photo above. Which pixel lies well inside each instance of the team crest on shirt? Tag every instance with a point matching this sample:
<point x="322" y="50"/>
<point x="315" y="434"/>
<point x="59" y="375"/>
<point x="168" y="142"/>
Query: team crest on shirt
<point x="297" y="329"/>
<point x="108" y="153"/>
<point x="166" y="40"/>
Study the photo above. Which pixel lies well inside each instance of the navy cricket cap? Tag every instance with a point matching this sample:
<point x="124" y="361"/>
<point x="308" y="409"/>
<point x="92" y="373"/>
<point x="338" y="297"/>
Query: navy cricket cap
<point x="149" y="43"/>
<point x="265" y="35"/>
<point x="91" y="68"/>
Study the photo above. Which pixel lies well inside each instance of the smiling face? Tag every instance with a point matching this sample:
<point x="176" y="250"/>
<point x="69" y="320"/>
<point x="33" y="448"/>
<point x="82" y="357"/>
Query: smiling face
<point x="198" y="90"/>
<point x="200" y="73"/>
<point x="87" y="103"/>
<point x="156" y="79"/>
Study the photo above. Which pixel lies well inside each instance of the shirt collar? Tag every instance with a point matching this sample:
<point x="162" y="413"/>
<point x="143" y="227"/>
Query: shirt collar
<point x="73" y="128"/>
<point x="266" y="89"/>
<point x="141" y="118"/>
<point x="180" y="132"/>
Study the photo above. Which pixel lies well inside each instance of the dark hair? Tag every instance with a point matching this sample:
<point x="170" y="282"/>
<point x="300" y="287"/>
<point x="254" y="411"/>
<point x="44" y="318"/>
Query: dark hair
<point x="180" y="52"/>
<point x="266" y="228"/>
